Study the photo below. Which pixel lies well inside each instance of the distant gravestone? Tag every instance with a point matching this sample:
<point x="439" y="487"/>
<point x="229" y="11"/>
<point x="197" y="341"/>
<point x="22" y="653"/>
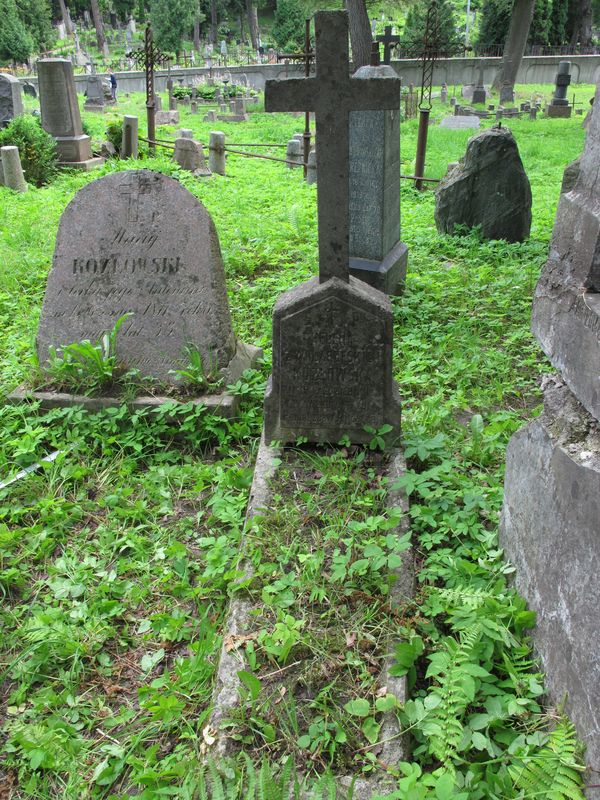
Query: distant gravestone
<point x="11" y="98"/>
<point x="189" y="154"/>
<point x="138" y="242"/>
<point x="377" y="255"/>
<point x="479" y="94"/>
<point x="60" y="113"/>
<point x="559" y="105"/>
<point x="332" y="336"/>
<point x="488" y="188"/>
<point x="94" y="90"/>
<point x="460" y="122"/>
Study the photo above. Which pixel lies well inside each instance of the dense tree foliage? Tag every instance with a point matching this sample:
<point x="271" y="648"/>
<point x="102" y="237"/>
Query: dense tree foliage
<point x="555" y="22"/>
<point x="172" y="21"/>
<point x="36" y="16"/>
<point x="414" y="29"/>
<point x="288" y="26"/>
<point x="16" y="43"/>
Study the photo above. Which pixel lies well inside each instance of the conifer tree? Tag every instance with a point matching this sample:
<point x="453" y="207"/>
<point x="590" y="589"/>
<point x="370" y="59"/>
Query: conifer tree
<point x="16" y="44"/>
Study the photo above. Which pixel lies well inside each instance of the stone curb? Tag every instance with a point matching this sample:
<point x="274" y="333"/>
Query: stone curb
<point x="226" y="692"/>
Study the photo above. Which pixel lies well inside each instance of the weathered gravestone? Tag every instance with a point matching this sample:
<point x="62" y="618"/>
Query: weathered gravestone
<point x="377" y="255"/>
<point x="11" y="98"/>
<point x="139" y="243"/>
<point x="479" y="93"/>
<point x="489" y="188"/>
<point x="459" y="122"/>
<point x="550" y="525"/>
<point x="189" y="154"/>
<point x="94" y="91"/>
<point x="60" y="113"/>
<point x="332" y="336"/>
<point x="559" y="105"/>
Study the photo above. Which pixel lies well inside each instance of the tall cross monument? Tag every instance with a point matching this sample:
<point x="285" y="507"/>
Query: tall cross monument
<point x="332" y="336"/>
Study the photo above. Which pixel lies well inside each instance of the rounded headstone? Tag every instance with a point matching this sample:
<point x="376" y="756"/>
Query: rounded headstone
<point x="138" y="242"/>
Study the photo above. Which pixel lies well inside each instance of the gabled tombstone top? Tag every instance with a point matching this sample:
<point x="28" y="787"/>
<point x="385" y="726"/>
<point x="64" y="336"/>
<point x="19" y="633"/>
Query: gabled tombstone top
<point x="332" y="94"/>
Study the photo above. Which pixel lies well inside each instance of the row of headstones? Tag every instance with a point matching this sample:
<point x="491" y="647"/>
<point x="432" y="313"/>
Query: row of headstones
<point x="334" y="376"/>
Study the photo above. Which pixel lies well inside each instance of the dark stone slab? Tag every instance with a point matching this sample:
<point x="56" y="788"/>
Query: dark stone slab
<point x="376" y="253"/>
<point x="550" y="530"/>
<point x="138" y="242"/>
<point x="332" y="364"/>
<point x="566" y="322"/>
<point x="488" y="188"/>
<point x="570" y="175"/>
<point x="11" y="98"/>
<point x="559" y="112"/>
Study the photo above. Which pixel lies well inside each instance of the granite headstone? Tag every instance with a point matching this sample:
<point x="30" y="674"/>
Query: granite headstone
<point x="377" y="255"/>
<point x="11" y="98"/>
<point x="332" y="336"/>
<point x="488" y="188"/>
<point x="139" y="243"/>
<point x="60" y="113"/>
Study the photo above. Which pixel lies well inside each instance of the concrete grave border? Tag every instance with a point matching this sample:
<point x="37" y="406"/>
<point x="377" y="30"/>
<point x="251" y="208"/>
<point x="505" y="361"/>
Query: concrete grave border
<point x="222" y="404"/>
<point x="395" y="744"/>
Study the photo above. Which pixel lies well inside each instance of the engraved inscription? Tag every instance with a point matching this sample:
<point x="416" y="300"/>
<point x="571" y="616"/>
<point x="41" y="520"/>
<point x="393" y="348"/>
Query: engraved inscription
<point x="335" y="365"/>
<point x="138" y="244"/>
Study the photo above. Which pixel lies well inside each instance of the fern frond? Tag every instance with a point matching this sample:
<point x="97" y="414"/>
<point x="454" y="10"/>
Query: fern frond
<point x="217" y="790"/>
<point x="453" y="666"/>
<point x="554" y="771"/>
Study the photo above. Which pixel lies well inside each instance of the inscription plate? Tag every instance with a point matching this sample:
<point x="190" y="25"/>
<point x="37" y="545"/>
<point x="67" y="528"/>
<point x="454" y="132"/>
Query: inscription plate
<point x="139" y="243"/>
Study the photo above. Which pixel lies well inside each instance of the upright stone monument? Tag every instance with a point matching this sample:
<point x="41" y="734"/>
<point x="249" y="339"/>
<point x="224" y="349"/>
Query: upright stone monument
<point x="60" y="114"/>
<point x="559" y="105"/>
<point x="94" y="90"/>
<point x="332" y="336"/>
<point x="377" y="256"/>
<point x="550" y="525"/>
<point x="11" y="98"/>
<point x="489" y="188"/>
<point x="479" y="92"/>
<point x="139" y="243"/>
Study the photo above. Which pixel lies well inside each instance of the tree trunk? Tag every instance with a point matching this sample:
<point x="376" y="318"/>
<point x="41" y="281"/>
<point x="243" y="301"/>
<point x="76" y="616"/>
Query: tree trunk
<point x="514" y="47"/>
<point x="98" y="24"/>
<point x="585" y="37"/>
<point x="252" y="15"/>
<point x="65" y="17"/>
<point x="196" y="35"/>
<point x="213" y="21"/>
<point x="360" y="33"/>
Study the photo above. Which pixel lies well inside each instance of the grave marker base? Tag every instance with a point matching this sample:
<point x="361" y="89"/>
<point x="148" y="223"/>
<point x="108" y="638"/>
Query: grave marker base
<point x="389" y="275"/>
<point x="559" y="112"/>
<point x="223" y="404"/>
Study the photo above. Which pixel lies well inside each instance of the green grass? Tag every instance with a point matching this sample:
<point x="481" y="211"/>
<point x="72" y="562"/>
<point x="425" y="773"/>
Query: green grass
<point x="117" y="558"/>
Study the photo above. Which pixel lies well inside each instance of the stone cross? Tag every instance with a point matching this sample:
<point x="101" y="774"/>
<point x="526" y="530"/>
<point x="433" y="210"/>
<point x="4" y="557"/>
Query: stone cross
<point x="388" y="40"/>
<point x="332" y="94"/>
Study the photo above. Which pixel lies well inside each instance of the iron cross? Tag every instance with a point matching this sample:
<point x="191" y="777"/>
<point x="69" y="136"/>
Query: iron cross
<point x="332" y="94"/>
<point x="387" y="40"/>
